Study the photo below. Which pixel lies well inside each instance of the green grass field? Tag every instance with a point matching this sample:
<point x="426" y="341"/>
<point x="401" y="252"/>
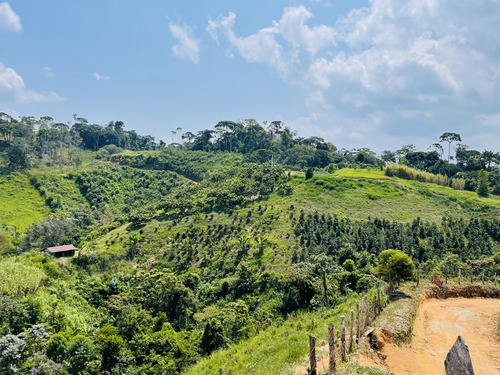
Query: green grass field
<point x="20" y="203"/>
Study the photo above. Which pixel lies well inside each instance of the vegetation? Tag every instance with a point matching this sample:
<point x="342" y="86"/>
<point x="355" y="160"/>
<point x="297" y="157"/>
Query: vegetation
<point x="222" y="250"/>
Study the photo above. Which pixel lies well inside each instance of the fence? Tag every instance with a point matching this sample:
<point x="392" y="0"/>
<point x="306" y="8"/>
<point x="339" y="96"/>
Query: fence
<point x="366" y="312"/>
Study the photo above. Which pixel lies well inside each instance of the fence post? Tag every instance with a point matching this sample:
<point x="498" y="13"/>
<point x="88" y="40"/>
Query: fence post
<point x="367" y="321"/>
<point x="352" y="331"/>
<point x="312" y="354"/>
<point x="342" y="338"/>
<point x="331" y="347"/>
<point x="483" y="277"/>
<point x="363" y="316"/>
<point x="471" y="273"/>
<point x="358" y="328"/>
<point x="459" y="276"/>
<point x="379" y="303"/>
<point x="418" y="276"/>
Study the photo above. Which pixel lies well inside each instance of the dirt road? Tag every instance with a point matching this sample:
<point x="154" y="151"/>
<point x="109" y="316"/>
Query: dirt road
<point x="438" y="323"/>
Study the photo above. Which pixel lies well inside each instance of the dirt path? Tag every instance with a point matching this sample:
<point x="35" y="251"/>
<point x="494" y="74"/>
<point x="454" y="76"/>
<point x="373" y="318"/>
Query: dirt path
<point x="438" y="323"/>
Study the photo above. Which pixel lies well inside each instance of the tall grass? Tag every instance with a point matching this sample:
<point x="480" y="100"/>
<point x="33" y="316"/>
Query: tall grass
<point x="458" y="183"/>
<point x="19" y="279"/>
<point x="403" y="171"/>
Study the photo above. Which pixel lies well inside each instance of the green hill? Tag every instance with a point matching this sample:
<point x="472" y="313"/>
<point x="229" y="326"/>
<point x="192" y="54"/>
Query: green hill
<point x="193" y="261"/>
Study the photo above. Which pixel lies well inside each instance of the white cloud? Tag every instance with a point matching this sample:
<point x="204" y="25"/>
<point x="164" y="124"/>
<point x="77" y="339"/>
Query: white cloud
<point x="283" y="45"/>
<point x="100" y="77"/>
<point x="9" y="19"/>
<point x="395" y="66"/>
<point x="47" y="72"/>
<point x="13" y="89"/>
<point x="188" y="47"/>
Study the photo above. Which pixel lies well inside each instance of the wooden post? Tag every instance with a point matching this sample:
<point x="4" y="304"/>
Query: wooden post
<point x="312" y="354"/>
<point x="367" y="321"/>
<point x="483" y="277"/>
<point x="471" y="274"/>
<point x="342" y="338"/>
<point x="363" y="309"/>
<point x="331" y="347"/>
<point x="459" y="276"/>
<point x="351" y="331"/>
<point x="379" y="303"/>
<point x="358" y="328"/>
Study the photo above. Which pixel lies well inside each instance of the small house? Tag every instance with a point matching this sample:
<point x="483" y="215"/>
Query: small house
<point x="61" y="251"/>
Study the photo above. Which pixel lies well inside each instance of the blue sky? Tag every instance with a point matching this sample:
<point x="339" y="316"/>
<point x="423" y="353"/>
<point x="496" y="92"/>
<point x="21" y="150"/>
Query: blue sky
<point x="377" y="74"/>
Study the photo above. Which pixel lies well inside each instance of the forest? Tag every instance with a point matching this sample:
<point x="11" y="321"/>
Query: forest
<point x="194" y="247"/>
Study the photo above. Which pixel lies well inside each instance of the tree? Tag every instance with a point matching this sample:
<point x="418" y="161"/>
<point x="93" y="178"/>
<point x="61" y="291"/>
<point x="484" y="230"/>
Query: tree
<point x="50" y="231"/>
<point x="395" y="266"/>
<point x="11" y="354"/>
<point x="309" y="173"/>
<point x="450" y="138"/>
<point x="18" y="155"/>
<point x="162" y="291"/>
<point x="388" y="156"/>
<point x="403" y="151"/>
<point x="81" y="352"/>
<point x="482" y="189"/>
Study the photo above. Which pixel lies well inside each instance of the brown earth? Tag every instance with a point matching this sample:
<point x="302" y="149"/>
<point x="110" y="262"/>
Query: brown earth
<point x="437" y="325"/>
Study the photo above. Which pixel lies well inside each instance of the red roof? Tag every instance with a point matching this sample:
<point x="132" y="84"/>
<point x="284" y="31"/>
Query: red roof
<point x="58" y="249"/>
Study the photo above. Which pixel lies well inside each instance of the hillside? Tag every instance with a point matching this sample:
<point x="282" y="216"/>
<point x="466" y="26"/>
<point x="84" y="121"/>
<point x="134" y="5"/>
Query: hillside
<point x="185" y="253"/>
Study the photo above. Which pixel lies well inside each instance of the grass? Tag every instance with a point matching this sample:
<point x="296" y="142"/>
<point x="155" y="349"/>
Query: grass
<point x="363" y="193"/>
<point x="399" y="315"/>
<point x="277" y="349"/>
<point x="19" y="279"/>
<point x="21" y="203"/>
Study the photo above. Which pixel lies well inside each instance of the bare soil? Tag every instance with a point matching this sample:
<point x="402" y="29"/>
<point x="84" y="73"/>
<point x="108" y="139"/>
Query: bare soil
<point x="437" y="325"/>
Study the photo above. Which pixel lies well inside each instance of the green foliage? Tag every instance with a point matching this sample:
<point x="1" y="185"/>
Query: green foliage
<point x="11" y="354"/>
<point x="5" y="244"/>
<point x="404" y="171"/>
<point x="16" y="313"/>
<point x="162" y="291"/>
<point x="482" y="189"/>
<point x="81" y="354"/>
<point x="116" y="190"/>
<point x="190" y="164"/>
<point x="56" y="348"/>
<point x="309" y="173"/>
<point x="395" y="266"/>
<point x="51" y="231"/>
<point x="19" y="279"/>
<point x="21" y="204"/>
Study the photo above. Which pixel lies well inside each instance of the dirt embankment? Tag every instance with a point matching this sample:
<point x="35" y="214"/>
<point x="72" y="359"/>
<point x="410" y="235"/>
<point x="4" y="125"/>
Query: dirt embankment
<point x="437" y="325"/>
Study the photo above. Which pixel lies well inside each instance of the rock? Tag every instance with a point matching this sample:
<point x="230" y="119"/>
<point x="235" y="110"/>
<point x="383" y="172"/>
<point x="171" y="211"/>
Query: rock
<point x="458" y="360"/>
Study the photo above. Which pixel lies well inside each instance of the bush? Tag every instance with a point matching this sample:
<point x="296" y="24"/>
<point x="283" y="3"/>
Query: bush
<point x="309" y="173"/>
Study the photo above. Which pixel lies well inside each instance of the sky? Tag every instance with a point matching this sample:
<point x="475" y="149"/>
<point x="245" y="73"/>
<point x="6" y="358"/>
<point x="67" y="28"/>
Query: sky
<point x="377" y="74"/>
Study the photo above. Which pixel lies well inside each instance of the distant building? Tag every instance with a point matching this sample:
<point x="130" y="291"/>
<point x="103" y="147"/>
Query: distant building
<point x="61" y="251"/>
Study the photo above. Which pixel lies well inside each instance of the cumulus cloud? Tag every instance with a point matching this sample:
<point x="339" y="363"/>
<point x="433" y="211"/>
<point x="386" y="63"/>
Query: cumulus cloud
<point x="388" y="67"/>
<point x="13" y="89"/>
<point x="188" y="47"/>
<point x="9" y="19"/>
<point x="282" y="45"/>
<point x="100" y="77"/>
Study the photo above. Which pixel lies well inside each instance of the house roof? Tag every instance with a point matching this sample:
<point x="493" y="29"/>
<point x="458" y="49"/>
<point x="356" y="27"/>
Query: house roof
<point x="58" y="249"/>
